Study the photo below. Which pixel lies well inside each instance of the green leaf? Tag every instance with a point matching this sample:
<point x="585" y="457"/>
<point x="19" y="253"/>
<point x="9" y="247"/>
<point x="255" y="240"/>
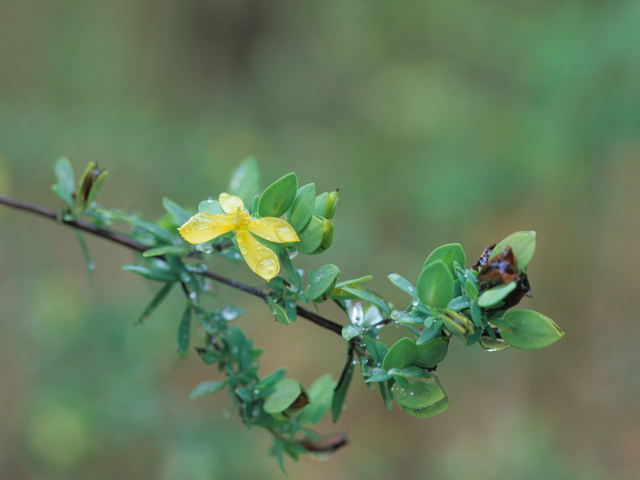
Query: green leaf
<point x="96" y="188"/>
<point x="320" y="207"/>
<point x="157" y="231"/>
<point x="184" y="331"/>
<point x="271" y="380"/>
<point x="208" y="355"/>
<point x="350" y="283"/>
<point x="245" y="180"/>
<point x="207" y="388"/>
<point x="421" y="394"/>
<point x="153" y="273"/>
<point x="278" y="197"/>
<point x="530" y="330"/>
<point x="278" y="312"/>
<point x="495" y="295"/>
<point x="166" y="250"/>
<point x="322" y="282"/>
<point x="379" y="375"/>
<point x="459" y="303"/>
<point x="340" y="393"/>
<point x="155" y="302"/>
<point x="66" y="184"/>
<point x="286" y="392"/>
<point x="434" y="326"/>
<point x="85" y="253"/>
<point x="62" y="195"/>
<point x="310" y="236"/>
<point x="476" y="314"/>
<point x="176" y="211"/>
<point x="428" y="411"/>
<point x="371" y="298"/>
<point x="403" y="382"/>
<point x="431" y="353"/>
<point x="435" y="285"/>
<point x="277" y="450"/>
<point x="448" y="254"/>
<point x="401" y="354"/>
<point x="523" y="245"/>
<point x="210" y="206"/>
<point x="332" y="203"/>
<point x="320" y="397"/>
<point x="413" y="318"/>
<point x="183" y="272"/>
<point x="377" y="350"/>
<point x="302" y="207"/>
<point x="291" y="309"/>
<point x="412" y="371"/>
<point x="64" y="174"/>
<point x="386" y="395"/>
<point x="472" y="289"/>
<point x="403" y="284"/>
<point x="350" y="331"/>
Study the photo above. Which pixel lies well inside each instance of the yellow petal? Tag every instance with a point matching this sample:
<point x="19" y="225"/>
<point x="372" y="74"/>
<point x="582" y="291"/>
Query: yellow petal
<point x="273" y="229"/>
<point x="259" y="258"/>
<point x="204" y="226"/>
<point x="230" y="203"/>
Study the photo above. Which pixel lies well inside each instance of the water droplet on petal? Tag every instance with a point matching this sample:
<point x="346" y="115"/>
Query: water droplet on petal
<point x="258" y="247"/>
<point x="243" y="250"/>
<point x="285" y="234"/>
<point x="240" y="240"/>
<point x="267" y="237"/>
<point x="267" y="268"/>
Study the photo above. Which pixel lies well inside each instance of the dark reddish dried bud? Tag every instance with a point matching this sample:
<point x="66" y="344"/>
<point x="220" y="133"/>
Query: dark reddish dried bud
<point x="484" y="258"/>
<point x="501" y="269"/>
<point x="300" y="402"/>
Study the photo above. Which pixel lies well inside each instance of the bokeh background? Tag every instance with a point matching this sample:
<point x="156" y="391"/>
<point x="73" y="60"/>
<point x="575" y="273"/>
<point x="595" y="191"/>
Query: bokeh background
<point x="440" y="121"/>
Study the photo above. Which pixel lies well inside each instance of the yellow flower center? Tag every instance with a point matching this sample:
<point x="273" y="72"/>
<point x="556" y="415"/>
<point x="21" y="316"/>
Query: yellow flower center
<point x="241" y="220"/>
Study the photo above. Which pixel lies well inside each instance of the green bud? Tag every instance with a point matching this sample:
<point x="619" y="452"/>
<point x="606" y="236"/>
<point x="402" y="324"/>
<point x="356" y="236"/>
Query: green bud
<point x="332" y="201"/>
<point x="90" y="185"/>
<point x="327" y="236"/>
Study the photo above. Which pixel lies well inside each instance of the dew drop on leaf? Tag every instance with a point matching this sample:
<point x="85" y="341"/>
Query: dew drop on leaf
<point x="204" y="247"/>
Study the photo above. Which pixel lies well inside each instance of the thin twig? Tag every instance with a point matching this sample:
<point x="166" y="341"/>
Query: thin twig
<point x="134" y="245"/>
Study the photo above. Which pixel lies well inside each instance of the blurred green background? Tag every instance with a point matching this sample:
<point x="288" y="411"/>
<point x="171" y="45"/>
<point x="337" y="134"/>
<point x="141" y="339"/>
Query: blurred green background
<point x="440" y="121"/>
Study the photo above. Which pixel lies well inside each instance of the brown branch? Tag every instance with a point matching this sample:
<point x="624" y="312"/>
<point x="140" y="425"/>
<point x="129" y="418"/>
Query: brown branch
<point x="134" y="245"/>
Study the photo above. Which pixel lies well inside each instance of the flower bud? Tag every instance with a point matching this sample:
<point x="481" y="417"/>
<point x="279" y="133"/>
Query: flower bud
<point x="327" y="236"/>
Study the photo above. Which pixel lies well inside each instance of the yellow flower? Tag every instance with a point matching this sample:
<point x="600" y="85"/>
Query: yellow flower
<point x="205" y="226"/>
